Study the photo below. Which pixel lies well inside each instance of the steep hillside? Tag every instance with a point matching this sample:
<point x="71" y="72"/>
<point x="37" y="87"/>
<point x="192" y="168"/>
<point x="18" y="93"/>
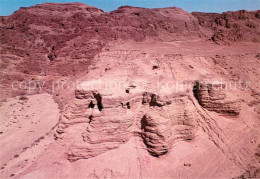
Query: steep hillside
<point x="231" y="27"/>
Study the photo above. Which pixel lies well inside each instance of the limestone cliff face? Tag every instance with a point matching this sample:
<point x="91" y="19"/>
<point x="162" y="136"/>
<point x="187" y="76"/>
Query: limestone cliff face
<point x="111" y="121"/>
<point x="161" y="127"/>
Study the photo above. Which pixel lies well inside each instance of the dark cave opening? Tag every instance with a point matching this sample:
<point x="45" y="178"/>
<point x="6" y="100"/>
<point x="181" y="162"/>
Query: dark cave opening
<point x="99" y="101"/>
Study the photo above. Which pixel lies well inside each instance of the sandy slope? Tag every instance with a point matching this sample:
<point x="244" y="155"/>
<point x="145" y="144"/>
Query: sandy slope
<point x="25" y="123"/>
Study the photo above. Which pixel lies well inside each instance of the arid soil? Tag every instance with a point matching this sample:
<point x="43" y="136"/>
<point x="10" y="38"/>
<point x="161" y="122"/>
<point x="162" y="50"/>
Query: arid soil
<point x="132" y="93"/>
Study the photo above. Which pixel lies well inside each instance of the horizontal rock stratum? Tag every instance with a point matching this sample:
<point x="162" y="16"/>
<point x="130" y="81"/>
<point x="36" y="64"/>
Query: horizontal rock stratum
<point x="131" y="93"/>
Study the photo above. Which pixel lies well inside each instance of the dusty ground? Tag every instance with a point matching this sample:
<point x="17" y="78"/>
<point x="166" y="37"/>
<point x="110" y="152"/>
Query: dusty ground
<point x="146" y="127"/>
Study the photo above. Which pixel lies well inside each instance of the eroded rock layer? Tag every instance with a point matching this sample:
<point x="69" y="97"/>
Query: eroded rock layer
<point x="159" y="121"/>
<point x="214" y="97"/>
<point x="136" y="92"/>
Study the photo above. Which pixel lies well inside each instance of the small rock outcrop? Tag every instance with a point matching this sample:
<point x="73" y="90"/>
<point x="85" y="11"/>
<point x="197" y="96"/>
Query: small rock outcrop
<point x="214" y="97"/>
<point x="157" y="133"/>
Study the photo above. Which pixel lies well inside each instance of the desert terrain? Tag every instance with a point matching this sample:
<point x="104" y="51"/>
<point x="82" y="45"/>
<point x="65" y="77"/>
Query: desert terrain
<point x="131" y="93"/>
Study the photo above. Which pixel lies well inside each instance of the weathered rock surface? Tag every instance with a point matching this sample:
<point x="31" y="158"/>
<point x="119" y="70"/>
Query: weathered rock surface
<point x="214" y="97"/>
<point x="230" y="27"/>
<point x="162" y="127"/>
<point x="111" y="121"/>
<point x="133" y="111"/>
<point x="62" y="39"/>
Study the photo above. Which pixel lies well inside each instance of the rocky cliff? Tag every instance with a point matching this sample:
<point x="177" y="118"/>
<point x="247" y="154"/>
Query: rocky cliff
<point x="142" y="93"/>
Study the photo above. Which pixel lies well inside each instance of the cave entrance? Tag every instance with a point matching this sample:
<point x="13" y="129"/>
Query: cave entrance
<point x="99" y="101"/>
